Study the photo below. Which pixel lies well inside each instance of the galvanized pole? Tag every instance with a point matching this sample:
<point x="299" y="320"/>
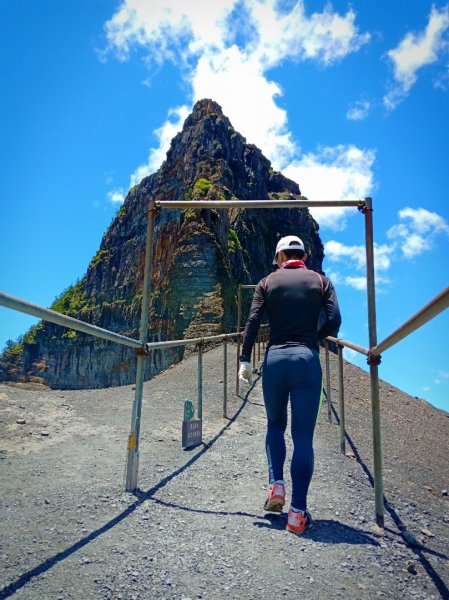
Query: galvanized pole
<point x="328" y="381"/>
<point x="342" y="399"/>
<point x="373" y="363"/>
<point x="239" y="316"/>
<point x="225" y="378"/>
<point x="200" y="381"/>
<point x="132" y="465"/>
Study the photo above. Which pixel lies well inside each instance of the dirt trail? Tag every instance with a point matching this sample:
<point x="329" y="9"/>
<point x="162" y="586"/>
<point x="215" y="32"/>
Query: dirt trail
<point x="196" y="528"/>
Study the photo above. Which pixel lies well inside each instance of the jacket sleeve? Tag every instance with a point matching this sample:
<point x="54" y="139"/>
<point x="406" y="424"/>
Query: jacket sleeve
<point x="331" y="322"/>
<point x="253" y="322"/>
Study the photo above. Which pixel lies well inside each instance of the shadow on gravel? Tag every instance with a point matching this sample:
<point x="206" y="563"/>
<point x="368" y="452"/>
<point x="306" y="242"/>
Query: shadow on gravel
<point x="203" y="511"/>
<point x="327" y="531"/>
<point x="142" y="496"/>
<point x="419" y="550"/>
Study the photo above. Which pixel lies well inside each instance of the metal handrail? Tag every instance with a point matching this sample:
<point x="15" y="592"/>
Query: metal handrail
<point x="428" y="312"/>
<point x="364" y="206"/>
<point x="347" y="344"/>
<point x="190" y="341"/>
<point x="294" y="203"/>
<point x="55" y="317"/>
<point x="65" y="321"/>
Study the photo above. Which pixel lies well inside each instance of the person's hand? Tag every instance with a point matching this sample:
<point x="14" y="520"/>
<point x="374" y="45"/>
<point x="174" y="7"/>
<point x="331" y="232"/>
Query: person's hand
<point x="246" y="373"/>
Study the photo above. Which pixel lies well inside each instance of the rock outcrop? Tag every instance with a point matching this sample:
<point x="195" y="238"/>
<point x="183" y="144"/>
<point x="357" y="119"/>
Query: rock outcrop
<point x="200" y="258"/>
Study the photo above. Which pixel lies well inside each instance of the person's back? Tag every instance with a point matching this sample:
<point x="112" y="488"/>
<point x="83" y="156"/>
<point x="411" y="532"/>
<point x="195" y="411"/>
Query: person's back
<point x="294" y="299"/>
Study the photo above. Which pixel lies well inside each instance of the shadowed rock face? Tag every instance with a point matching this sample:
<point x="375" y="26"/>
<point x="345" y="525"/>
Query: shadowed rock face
<point x="200" y="258"/>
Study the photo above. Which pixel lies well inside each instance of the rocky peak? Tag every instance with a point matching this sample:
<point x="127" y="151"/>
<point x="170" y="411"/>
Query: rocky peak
<point x="201" y="109"/>
<point x="200" y="258"/>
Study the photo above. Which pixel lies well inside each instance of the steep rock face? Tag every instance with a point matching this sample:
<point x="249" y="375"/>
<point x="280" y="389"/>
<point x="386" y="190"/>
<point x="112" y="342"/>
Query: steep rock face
<point x="200" y="258"/>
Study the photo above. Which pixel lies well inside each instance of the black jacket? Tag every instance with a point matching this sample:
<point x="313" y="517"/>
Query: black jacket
<point x="293" y="297"/>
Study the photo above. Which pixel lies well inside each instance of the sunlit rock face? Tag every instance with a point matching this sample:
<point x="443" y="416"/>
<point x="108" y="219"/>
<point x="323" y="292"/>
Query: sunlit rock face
<point x="200" y="257"/>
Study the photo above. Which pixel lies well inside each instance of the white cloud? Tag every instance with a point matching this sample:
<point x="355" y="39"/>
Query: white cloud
<point x="359" y="110"/>
<point x="415" y="51"/>
<point x="324" y="36"/>
<point x="353" y="258"/>
<point x="116" y="196"/>
<point x="164" y="27"/>
<point x="216" y="75"/>
<point x="415" y="233"/>
<point x="338" y="173"/>
<point x="204" y="39"/>
<point x="441" y="377"/>
<point x="358" y="283"/>
<point x="417" y="230"/>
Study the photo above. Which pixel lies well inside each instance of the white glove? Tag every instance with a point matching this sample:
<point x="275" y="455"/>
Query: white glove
<point x="246" y="373"/>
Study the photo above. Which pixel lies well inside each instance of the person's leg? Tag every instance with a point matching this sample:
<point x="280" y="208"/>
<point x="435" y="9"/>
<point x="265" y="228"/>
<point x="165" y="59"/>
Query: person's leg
<point x="275" y="393"/>
<point x="305" y="399"/>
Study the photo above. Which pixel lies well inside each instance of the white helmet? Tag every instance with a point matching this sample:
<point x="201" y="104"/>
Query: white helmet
<point x="289" y="242"/>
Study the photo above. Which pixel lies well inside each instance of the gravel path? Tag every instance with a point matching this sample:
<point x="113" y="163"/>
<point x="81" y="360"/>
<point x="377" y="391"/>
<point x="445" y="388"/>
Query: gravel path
<point x="196" y="528"/>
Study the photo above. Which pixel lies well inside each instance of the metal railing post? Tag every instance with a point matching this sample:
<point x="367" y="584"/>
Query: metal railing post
<point x="132" y="464"/>
<point x="328" y="381"/>
<point x="373" y="363"/>
<point x="239" y="316"/>
<point x="225" y="378"/>
<point x="342" y="399"/>
<point x="200" y="381"/>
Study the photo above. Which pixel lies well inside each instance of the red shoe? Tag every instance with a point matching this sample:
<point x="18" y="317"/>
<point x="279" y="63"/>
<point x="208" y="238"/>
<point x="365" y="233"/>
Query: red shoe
<point x="298" y="522"/>
<point x="276" y="498"/>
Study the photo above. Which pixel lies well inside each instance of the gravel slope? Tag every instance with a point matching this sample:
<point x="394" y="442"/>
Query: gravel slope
<point x="196" y="529"/>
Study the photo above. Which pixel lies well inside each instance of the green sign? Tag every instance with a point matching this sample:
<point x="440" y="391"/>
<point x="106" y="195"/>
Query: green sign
<point x="189" y="410"/>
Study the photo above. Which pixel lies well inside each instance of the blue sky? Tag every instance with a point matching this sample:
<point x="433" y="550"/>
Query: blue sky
<point x="348" y="99"/>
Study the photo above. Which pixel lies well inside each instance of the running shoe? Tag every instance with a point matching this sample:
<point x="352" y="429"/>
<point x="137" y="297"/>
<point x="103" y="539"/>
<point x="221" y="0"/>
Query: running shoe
<point x="298" y="522"/>
<point x="276" y="498"/>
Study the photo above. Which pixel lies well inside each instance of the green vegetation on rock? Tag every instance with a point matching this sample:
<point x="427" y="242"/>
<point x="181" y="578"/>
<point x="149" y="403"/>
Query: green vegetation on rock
<point x="72" y="300"/>
<point x="70" y="334"/>
<point x="200" y="188"/>
<point x="233" y="241"/>
<point x="204" y="188"/>
<point x="189" y="213"/>
<point x="100" y="256"/>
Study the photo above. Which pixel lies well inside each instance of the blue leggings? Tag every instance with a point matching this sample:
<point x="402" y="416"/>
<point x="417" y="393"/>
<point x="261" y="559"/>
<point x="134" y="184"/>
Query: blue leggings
<point x="293" y="372"/>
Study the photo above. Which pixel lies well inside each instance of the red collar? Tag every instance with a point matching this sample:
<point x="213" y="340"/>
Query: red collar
<point x="293" y="264"/>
